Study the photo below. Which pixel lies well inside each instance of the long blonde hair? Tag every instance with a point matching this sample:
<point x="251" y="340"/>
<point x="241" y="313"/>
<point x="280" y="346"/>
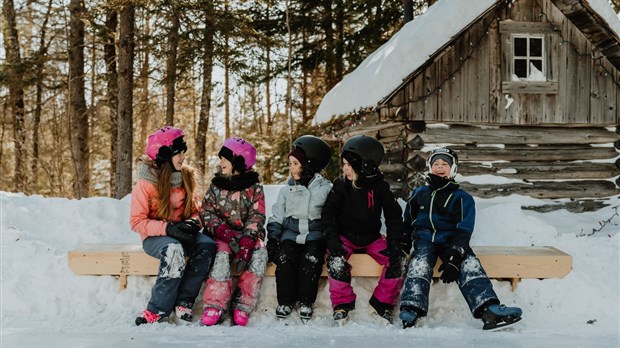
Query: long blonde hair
<point x="164" y="189"/>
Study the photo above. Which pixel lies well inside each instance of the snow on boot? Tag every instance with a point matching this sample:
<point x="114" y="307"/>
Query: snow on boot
<point x="305" y="312"/>
<point x="283" y="311"/>
<point x="147" y="317"/>
<point x="497" y="317"/>
<point x="240" y="317"/>
<point x="409" y="317"/>
<point x="184" y="314"/>
<point x="341" y="316"/>
<point x="382" y="312"/>
<point x="211" y="316"/>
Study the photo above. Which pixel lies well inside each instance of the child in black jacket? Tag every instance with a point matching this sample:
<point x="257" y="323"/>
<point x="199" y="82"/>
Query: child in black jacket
<point x="351" y="220"/>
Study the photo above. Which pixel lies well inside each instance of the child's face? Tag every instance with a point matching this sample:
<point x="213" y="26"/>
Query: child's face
<point x="177" y="160"/>
<point x="347" y="170"/>
<point x="225" y="166"/>
<point x="294" y="167"/>
<point x="440" y="168"/>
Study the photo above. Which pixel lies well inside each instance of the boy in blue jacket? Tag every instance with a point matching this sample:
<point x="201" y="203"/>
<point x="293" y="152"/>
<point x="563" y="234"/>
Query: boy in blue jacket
<point x="441" y="218"/>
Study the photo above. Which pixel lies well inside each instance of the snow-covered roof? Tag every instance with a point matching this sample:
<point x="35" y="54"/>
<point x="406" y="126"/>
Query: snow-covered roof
<point x="386" y="68"/>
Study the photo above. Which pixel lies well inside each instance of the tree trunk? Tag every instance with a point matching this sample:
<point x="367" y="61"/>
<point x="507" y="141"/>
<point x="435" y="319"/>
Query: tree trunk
<point x="407" y="11"/>
<point x="125" y="101"/>
<point x="340" y="41"/>
<point x="77" y="100"/>
<point x="289" y="77"/>
<point x="171" y="65"/>
<point x="205" y="100"/>
<point x="109" y="52"/>
<point x="39" y="70"/>
<point x="327" y="25"/>
<point x="145" y="103"/>
<point x="15" y="78"/>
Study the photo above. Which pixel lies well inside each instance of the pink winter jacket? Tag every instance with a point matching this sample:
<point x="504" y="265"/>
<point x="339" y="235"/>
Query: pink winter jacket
<point x="144" y="204"/>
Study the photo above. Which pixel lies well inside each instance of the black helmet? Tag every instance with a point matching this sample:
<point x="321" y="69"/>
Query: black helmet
<point x="318" y="153"/>
<point x="364" y="153"/>
<point x="446" y="154"/>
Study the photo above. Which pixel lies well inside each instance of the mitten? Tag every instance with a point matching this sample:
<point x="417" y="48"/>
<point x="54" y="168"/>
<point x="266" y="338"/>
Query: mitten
<point x="246" y="245"/>
<point x="225" y="233"/>
<point x="190" y="226"/>
<point x="335" y="247"/>
<point x="176" y="231"/>
<point x="273" y="249"/>
<point x="450" y="266"/>
<point x="396" y="257"/>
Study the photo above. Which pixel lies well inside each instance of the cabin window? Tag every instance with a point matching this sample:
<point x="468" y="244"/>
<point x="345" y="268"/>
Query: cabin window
<point x="527" y="58"/>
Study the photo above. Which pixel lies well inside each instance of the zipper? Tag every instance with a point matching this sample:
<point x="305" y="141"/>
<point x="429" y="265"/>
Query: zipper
<point x="430" y="210"/>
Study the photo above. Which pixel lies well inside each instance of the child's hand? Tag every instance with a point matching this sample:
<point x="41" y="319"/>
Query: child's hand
<point x="224" y="233"/>
<point x="335" y="247"/>
<point x="246" y="245"/>
<point x="450" y="266"/>
<point x="273" y="250"/>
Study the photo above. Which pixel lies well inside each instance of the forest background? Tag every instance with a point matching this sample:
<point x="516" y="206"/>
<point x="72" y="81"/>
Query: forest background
<point x="83" y="83"/>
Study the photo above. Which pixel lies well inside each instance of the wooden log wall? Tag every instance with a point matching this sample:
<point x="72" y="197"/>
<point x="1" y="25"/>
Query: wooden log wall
<point x="541" y="162"/>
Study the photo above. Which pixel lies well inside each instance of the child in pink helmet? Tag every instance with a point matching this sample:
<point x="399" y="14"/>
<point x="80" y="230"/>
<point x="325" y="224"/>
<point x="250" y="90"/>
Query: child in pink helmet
<point x="234" y="214"/>
<point x="165" y="212"/>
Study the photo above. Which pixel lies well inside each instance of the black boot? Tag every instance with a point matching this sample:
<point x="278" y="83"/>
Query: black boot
<point x="383" y="310"/>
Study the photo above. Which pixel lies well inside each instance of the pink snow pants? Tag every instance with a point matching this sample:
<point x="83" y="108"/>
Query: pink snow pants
<point x="218" y="287"/>
<point x="386" y="291"/>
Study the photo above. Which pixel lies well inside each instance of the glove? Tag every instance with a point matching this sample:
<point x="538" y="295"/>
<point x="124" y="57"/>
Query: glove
<point x="225" y="233"/>
<point x="335" y="247"/>
<point x="246" y="245"/>
<point x="406" y="243"/>
<point x="190" y="226"/>
<point x="450" y="266"/>
<point x="396" y="256"/>
<point x="273" y="250"/>
<point x="181" y="232"/>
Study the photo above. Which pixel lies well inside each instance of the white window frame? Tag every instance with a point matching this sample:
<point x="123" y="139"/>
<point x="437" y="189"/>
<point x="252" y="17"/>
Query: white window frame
<point x="527" y="57"/>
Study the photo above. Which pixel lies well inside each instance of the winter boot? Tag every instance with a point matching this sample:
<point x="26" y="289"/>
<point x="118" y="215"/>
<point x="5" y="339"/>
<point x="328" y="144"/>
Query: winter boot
<point x="382" y="311"/>
<point x="341" y="313"/>
<point x="211" y="316"/>
<point x="409" y="316"/>
<point x="148" y="317"/>
<point x="184" y="314"/>
<point x="240" y="317"/>
<point x="305" y="312"/>
<point x="497" y="317"/>
<point x="283" y="311"/>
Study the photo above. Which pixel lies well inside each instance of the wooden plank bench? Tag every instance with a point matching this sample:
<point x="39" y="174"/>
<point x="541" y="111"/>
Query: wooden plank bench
<point x="511" y="263"/>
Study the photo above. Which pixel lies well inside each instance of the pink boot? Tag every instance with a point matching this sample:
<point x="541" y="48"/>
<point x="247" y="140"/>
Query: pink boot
<point x="211" y="316"/>
<point x="240" y="317"/>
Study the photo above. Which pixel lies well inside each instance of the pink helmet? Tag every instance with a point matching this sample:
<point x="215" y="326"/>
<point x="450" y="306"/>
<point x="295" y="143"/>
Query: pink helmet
<point x="239" y="152"/>
<point x="166" y="142"/>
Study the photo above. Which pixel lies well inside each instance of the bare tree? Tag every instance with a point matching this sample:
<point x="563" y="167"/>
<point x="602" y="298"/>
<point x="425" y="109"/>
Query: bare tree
<point x="125" y="101"/>
<point x="207" y="79"/>
<point x="171" y="64"/>
<point x="145" y="103"/>
<point x="109" y="53"/>
<point x="15" y="69"/>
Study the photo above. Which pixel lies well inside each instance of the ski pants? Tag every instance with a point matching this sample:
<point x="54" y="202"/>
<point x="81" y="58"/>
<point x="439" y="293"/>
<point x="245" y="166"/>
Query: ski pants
<point x="178" y="283"/>
<point x="472" y="280"/>
<point x="298" y="271"/>
<point x="339" y="275"/>
<point x="219" y="290"/>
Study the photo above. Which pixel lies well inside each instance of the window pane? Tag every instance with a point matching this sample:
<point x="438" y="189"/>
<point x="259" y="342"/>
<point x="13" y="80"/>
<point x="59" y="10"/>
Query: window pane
<point x="537" y="63"/>
<point x="520" y="46"/>
<point x="521" y="68"/>
<point x="535" y="47"/>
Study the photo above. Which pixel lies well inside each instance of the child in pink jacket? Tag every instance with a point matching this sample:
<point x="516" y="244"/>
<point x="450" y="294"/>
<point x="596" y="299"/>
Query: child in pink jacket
<point x="234" y="214"/>
<point x="165" y="212"/>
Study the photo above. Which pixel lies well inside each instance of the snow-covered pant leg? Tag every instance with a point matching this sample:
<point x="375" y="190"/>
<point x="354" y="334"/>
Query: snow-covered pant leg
<point x="218" y="287"/>
<point x="310" y="269"/>
<point x="475" y="285"/>
<point x="196" y="270"/>
<point x="250" y="280"/>
<point x="419" y="277"/>
<point x="387" y="289"/>
<point x="339" y="276"/>
<point x="171" y="267"/>
<point x="286" y="272"/>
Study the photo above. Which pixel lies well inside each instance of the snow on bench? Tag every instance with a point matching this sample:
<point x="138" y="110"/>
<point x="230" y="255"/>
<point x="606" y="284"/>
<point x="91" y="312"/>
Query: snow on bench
<point x="511" y="263"/>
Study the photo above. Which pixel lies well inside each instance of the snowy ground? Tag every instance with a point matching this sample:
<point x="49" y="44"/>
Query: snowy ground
<point x="43" y="304"/>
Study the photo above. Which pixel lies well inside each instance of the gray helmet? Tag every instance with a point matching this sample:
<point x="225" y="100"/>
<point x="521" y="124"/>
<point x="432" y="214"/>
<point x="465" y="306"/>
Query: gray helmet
<point x="448" y="155"/>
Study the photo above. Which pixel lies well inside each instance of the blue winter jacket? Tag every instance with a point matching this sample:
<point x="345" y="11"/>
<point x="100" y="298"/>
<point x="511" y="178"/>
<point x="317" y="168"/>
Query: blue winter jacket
<point x="296" y="215"/>
<point x="443" y="215"/>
